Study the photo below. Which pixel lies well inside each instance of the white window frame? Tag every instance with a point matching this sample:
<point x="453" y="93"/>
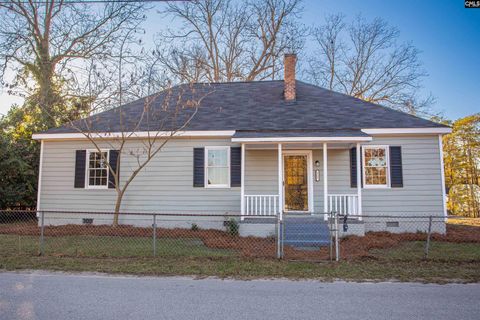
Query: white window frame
<point x="387" y="159"/>
<point x="87" y="169"/>
<point x="205" y="164"/>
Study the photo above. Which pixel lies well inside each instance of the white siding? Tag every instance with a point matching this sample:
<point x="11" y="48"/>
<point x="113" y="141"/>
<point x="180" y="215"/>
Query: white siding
<point x="166" y="184"/>
<point x="261" y="172"/>
<point x="421" y="193"/>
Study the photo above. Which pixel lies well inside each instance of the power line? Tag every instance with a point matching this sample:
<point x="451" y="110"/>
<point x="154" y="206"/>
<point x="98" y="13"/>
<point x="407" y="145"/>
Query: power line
<point x="92" y="1"/>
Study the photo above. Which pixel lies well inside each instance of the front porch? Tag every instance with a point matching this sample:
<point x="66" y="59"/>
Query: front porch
<point x="300" y="177"/>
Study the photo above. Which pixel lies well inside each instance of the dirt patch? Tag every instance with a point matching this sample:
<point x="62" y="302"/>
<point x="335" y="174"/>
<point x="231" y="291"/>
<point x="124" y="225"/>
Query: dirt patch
<point x="352" y="247"/>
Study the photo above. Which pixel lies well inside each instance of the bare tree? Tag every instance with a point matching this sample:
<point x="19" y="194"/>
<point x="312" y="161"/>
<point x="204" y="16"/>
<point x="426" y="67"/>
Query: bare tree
<point x="364" y="60"/>
<point x="166" y="113"/>
<point x="42" y="42"/>
<point x="160" y="116"/>
<point x="224" y="40"/>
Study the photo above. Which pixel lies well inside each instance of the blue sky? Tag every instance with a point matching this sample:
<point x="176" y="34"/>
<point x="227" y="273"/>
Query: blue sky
<point x="447" y="34"/>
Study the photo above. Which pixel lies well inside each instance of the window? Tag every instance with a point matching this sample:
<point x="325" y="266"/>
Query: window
<point x="217" y="167"/>
<point x="375" y="166"/>
<point x="97" y="169"/>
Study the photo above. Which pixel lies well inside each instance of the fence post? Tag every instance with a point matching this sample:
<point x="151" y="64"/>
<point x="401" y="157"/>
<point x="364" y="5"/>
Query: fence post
<point x="279" y="238"/>
<point x="154" y="235"/>
<point x="42" y="233"/>
<point x="282" y="243"/>
<point x="330" y="227"/>
<point x="337" y="249"/>
<point x="427" y="245"/>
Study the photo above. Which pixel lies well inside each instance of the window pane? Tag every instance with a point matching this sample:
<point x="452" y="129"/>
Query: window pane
<point x="217" y="158"/>
<point x="375" y="166"/>
<point x="376" y="175"/>
<point x="98" y="169"/>
<point x="217" y="176"/>
<point x="375" y="157"/>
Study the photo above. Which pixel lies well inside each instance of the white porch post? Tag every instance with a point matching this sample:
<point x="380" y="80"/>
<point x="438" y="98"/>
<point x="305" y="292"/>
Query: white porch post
<point x="442" y="172"/>
<point x="280" y="181"/>
<point x="242" y="181"/>
<point x="359" y="182"/>
<point x="39" y="187"/>
<point x="325" y="179"/>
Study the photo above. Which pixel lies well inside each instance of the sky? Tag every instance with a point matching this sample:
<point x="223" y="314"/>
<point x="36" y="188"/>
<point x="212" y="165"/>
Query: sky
<point x="446" y="33"/>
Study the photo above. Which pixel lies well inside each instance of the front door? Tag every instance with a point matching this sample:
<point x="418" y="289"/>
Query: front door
<point x="296" y="182"/>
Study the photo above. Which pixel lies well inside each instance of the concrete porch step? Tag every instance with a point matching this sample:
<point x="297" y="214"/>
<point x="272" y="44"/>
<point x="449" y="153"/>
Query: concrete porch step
<point x="306" y="231"/>
<point x="306" y="243"/>
<point x="306" y="236"/>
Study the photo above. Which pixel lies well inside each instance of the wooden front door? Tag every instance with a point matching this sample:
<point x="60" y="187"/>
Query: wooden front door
<point x="296" y="182"/>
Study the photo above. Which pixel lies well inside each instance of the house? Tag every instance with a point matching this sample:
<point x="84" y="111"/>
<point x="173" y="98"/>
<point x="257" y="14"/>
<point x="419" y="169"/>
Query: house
<point x="261" y="149"/>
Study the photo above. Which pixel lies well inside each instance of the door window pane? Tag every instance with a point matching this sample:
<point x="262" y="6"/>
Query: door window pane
<point x="296" y="185"/>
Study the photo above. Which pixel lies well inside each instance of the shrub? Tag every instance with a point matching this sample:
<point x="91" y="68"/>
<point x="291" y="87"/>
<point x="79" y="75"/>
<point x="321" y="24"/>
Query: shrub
<point x="233" y="227"/>
<point x="194" y="227"/>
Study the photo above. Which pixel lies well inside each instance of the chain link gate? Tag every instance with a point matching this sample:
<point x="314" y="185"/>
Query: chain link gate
<point x="310" y="237"/>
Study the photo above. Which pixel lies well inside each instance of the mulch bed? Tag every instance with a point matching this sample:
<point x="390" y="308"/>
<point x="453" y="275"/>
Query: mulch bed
<point x="351" y="247"/>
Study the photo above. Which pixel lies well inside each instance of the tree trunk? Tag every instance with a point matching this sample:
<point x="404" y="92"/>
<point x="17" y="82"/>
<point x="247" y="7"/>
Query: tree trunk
<point x="118" y="203"/>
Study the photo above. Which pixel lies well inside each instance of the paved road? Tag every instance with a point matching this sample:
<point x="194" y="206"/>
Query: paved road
<point x="65" y="296"/>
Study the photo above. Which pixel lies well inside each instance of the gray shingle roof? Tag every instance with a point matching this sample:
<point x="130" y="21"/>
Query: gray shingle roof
<point x="253" y="106"/>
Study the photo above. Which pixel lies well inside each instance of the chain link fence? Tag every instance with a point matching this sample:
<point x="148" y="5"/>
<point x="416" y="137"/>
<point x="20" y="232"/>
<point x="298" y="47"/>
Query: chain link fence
<point x="317" y="237"/>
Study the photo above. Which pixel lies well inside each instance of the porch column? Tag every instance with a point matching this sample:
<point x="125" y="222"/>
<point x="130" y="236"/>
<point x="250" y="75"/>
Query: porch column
<point x="325" y="179"/>
<point x="280" y="181"/>
<point x="359" y="182"/>
<point x="242" y="181"/>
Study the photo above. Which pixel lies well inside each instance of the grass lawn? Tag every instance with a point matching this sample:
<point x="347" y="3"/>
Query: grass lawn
<point x="473" y="222"/>
<point x="103" y="246"/>
<point x="439" y="251"/>
<point x="459" y="262"/>
<point x="375" y="270"/>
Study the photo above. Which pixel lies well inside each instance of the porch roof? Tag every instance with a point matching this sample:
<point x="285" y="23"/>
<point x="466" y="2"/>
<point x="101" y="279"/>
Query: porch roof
<point x="350" y="135"/>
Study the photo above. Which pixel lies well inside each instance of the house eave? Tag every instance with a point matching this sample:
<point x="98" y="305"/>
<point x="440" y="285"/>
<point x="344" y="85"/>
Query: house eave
<point x="401" y="131"/>
<point x="230" y="133"/>
<point x="302" y="139"/>
<point x="131" y="135"/>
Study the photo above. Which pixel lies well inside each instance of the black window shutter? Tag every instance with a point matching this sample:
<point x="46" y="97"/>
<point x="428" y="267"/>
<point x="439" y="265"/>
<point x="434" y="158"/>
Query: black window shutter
<point x="80" y="158"/>
<point x="236" y="167"/>
<point x="396" y="171"/>
<point x="353" y="168"/>
<point x="198" y="167"/>
<point x="113" y="160"/>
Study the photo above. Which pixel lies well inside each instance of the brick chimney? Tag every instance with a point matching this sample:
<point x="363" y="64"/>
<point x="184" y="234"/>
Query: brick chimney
<point x="289" y="76"/>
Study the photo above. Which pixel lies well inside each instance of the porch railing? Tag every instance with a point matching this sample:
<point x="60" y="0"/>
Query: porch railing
<point x="343" y="203"/>
<point x="261" y="205"/>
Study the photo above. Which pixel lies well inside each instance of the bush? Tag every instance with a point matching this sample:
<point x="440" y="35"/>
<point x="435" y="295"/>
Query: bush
<point x="194" y="227"/>
<point x="233" y="227"/>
